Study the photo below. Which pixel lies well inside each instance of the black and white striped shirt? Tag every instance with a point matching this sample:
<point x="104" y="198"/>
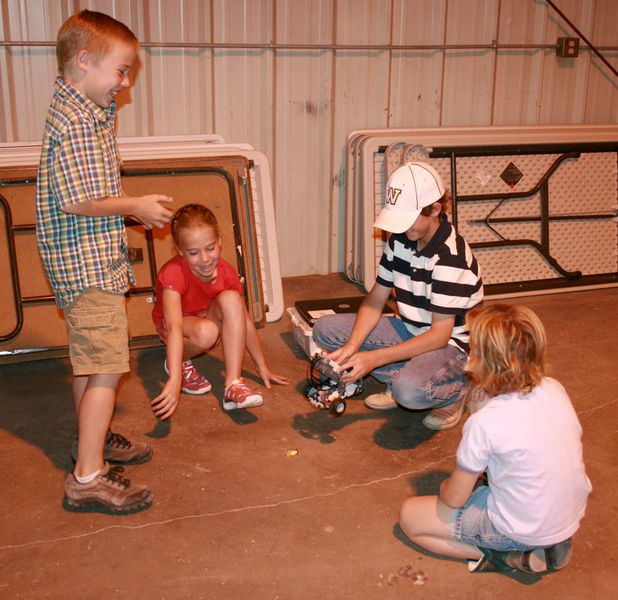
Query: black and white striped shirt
<point x="443" y="277"/>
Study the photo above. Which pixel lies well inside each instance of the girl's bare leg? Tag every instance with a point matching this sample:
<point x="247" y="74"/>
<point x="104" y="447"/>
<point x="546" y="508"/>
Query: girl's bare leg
<point x="228" y="312"/>
<point x="427" y="522"/>
<point x="225" y="319"/>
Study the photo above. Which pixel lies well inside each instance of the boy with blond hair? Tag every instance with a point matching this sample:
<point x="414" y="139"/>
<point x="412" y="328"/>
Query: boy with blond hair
<point x="82" y="242"/>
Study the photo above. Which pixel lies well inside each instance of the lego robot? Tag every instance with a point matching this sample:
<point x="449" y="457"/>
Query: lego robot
<point x="325" y="390"/>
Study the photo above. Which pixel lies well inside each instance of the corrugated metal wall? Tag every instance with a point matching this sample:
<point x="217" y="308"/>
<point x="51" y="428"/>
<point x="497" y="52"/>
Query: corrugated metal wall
<point x="281" y="75"/>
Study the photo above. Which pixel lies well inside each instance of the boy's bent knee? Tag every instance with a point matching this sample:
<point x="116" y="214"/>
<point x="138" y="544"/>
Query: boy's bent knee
<point x="332" y="331"/>
<point x="320" y="329"/>
<point x="409" y="395"/>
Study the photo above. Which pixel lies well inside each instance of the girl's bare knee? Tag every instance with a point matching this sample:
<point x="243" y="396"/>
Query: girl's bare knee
<point x="417" y="517"/>
<point x="205" y="335"/>
<point x="231" y="300"/>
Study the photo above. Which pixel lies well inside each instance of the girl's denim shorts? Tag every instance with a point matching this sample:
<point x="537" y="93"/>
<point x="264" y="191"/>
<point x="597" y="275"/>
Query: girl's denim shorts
<point x="473" y="526"/>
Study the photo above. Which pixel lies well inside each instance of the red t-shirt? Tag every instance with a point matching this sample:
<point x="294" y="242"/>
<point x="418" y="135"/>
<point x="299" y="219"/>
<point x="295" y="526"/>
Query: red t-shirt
<point x="195" y="295"/>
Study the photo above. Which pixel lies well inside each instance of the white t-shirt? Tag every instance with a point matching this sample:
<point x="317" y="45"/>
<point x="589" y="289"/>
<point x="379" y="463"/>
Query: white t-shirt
<point x="530" y="445"/>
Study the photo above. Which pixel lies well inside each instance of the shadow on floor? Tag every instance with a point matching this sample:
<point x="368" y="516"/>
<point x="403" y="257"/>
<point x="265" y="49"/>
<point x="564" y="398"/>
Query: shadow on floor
<point x="39" y="410"/>
<point x="401" y="429"/>
<point x="149" y="369"/>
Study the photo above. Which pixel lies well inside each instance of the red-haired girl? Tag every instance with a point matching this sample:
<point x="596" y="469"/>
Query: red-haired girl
<point x="199" y="301"/>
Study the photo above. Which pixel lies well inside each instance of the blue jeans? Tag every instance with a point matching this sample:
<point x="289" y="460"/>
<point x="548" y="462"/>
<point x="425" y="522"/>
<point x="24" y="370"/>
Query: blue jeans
<point x="426" y="381"/>
<point x="472" y="525"/>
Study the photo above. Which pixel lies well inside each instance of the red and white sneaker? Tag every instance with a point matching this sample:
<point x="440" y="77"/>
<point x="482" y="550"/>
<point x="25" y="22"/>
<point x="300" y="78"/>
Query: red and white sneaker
<point x="239" y="395"/>
<point x="193" y="382"/>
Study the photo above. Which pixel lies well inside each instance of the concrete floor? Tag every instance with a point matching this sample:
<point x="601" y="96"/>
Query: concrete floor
<point x="235" y="516"/>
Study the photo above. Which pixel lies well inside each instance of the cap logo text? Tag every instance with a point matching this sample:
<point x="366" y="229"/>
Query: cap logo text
<point x="392" y="195"/>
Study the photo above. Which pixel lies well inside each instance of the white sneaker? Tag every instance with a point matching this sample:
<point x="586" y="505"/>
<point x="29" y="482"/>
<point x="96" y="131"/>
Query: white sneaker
<point x="446" y="417"/>
<point x="382" y="401"/>
<point x="239" y="395"/>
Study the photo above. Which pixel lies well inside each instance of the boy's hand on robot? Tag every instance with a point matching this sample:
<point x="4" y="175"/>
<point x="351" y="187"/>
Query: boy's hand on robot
<point x="340" y="361"/>
<point x="357" y="366"/>
<point x="340" y="355"/>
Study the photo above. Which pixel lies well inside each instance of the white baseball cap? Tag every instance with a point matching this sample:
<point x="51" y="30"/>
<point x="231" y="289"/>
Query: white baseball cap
<point x="409" y="189"/>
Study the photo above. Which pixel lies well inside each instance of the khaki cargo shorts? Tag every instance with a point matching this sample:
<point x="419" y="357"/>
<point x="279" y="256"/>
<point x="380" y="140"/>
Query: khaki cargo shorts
<point x="96" y="322"/>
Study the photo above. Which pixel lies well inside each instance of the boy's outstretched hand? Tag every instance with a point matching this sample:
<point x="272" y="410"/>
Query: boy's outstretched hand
<point x="151" y="213"/>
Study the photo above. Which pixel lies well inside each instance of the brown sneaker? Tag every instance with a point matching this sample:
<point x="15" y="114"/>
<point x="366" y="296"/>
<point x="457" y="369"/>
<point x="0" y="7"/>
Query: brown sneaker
<point x="109" y="492"/>
<point x="120" y="451"/>
<point x="445" y="417"/>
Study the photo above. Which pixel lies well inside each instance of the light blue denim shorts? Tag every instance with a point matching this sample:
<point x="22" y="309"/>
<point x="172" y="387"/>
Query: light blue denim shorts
<point x="472" y="525"/>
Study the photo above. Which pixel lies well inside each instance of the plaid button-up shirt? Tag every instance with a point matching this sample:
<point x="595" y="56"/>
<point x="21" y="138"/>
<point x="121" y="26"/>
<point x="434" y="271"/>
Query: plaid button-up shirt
<point x="79" y="161"/>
